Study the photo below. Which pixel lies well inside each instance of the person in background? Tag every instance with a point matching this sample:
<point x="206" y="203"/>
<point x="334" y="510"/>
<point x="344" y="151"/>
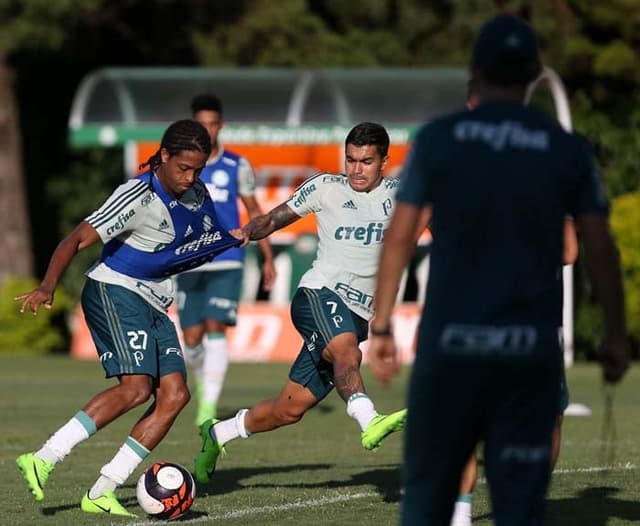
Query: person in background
<point x="208" y="296"/>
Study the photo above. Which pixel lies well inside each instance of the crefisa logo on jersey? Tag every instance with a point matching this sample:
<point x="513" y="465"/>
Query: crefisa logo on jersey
<point x="205" y="239"/>
<point x="121" y="221"/>
<point x="304" y="192"/>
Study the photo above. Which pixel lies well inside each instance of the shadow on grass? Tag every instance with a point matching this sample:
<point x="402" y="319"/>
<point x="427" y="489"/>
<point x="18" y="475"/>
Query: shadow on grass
<point x="599" y="504"/>
<point x="386" y="480"/>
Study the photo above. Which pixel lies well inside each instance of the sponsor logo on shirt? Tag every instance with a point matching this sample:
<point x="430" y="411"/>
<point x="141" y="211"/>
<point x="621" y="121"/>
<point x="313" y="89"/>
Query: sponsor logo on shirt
<point x="349" y="204"/>
<point x="188" y="231"/>
<point x="372" y="233"/>
<point x="353" y="295"/>
<point x="120" y="222"/>
<point x="218" y="195"/>
<point x="334" y="179"/>
<point x="220" y="178"/>
<point x="502" y="135"/>
<point x="164" y="224"/>
<point x="151" y="196"/>
<point x="488" y="340"/>
<point x="206" y="239"/>
<point x="303" y="193"/>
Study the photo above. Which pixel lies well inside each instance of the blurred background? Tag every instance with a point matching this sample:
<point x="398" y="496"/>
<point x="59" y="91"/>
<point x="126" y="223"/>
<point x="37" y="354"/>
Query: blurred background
<point x="65" y="144"/>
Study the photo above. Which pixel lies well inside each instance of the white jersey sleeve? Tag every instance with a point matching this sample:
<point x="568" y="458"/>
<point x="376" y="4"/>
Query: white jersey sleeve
<point x="121" y="212"/>
<point x="246" y="178"/>
<point x="308" y="198"/>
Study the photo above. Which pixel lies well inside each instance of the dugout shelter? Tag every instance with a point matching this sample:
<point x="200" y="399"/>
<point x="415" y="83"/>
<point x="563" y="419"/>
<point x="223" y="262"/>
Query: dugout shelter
<point x="290" y="123"/>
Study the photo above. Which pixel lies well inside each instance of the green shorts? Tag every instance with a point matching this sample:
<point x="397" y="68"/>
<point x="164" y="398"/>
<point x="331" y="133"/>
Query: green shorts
<point x="130" y="335"/>
<point x="319" y="316"/>
<point x="209" y="295"/>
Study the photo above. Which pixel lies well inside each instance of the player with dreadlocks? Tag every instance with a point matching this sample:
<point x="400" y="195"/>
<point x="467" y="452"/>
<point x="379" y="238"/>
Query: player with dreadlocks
<point x="153" y="226"/>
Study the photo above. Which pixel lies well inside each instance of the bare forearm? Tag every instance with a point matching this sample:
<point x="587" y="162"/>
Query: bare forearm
<point x="83" y="236"/>
<point x="399" y="244"/>
<point x="604" y="269"/>
<point x="265" y="249"/>
<point x="262" y="226"/>
<point x="393" y="259"/>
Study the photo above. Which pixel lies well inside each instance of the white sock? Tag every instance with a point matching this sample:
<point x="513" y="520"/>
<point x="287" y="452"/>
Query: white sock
<point x="117" y="471"/>
<point x="360" y="407"/>
<point x="461" y="513"/>
<point x="76" y="430"/>
<point x="230" y="429"/>
<point x="194" y="358"/>
<point x="215" y="365"/>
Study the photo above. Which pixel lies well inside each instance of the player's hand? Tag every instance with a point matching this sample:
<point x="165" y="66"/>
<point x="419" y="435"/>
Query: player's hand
<point x="383" y="360"/>
<point x="239" y="233"/>
<point x="268" y="274"/>
<point x="34" y="299"/>
<point x="615" y="359"/>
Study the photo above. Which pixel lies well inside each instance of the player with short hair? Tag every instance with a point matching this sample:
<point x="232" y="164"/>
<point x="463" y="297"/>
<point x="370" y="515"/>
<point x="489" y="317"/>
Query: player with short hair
<point x="208" y="296"/>
<point x="153" y="226"/>
<point x="498" y="183"/>
<point x="334" y="299"/>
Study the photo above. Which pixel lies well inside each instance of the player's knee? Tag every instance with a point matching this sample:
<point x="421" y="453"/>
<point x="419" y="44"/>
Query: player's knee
<point x="176" y="399"/>
<point x="351" y="357"/>
<point x="192" y="339"/>
<point x="287" y="415"/>
<point x="138" y="394"/>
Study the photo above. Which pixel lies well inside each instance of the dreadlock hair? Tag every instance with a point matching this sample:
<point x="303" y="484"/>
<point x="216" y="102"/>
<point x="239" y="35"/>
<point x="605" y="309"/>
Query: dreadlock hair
<point x="367" y="133"/>
<point x="183" y="135"/>
<point x="206" y="102"/>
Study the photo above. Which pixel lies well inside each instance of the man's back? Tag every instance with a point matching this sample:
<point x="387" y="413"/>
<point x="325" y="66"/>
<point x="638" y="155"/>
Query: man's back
<point x="501" y="179"/>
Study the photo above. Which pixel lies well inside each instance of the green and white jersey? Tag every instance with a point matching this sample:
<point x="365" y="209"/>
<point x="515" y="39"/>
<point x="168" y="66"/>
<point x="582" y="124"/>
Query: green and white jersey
<point x="351" y="227"/>
<point x="136" y="216"/>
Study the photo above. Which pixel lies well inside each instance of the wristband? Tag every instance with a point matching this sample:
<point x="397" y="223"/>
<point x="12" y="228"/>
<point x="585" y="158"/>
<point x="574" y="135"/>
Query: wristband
<point x="386" y="331"/>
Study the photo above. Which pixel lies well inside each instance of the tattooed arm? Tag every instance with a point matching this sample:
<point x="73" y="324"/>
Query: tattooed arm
<point x="261" y="226"/>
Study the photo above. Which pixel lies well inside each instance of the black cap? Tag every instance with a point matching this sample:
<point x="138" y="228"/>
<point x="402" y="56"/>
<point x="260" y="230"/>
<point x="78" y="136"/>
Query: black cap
<point x="506" y="51"/>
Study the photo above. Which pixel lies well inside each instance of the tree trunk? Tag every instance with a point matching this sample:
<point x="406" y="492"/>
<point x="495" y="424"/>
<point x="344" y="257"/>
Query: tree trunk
<point x="15" y="237"/>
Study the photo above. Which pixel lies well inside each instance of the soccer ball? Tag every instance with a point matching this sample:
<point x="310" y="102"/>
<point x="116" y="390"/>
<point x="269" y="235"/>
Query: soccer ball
<point x="166" y="490"/>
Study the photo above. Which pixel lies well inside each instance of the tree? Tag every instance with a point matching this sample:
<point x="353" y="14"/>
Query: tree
<point x="15" y="255"/>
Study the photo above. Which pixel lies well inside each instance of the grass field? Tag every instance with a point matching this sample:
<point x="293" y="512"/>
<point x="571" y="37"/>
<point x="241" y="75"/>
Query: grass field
<point x="314" y="473"/>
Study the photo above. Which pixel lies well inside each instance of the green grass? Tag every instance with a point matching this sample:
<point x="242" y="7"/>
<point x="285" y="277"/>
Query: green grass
<point x="313" y="473"/>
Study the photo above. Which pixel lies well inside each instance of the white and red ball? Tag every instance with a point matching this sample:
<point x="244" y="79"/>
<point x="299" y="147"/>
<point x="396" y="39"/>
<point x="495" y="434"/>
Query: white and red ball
<point x="166" y="490"/>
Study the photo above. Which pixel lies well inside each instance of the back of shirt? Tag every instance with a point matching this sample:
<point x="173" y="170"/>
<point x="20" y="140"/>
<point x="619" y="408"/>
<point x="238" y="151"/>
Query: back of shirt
<point x="501" y="180"/>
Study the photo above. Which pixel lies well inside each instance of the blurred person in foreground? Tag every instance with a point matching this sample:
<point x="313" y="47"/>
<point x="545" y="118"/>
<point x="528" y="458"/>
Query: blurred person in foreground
<point x="463" y="505"/>
<point x="333" y="303"/>
<point x="143" y="226"/>
<point x="498" y="182"/>
<point x="208" y="295"/>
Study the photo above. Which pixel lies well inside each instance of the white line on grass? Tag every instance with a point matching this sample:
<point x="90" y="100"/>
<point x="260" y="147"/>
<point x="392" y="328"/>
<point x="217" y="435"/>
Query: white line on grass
<point x="311" y="503"/>
<point x="627" y="466"/>
<point x="260" y="510"/>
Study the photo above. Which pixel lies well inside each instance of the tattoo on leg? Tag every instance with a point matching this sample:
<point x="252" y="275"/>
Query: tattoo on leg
<point x="348" y="381"/>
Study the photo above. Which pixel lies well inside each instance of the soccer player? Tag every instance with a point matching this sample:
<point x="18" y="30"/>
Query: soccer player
<point x="333" y="302"/>
<point x="155" y="225"/>
<point x="463" y="505"/>
<point x="498" y="183"/>
<point x="208" y="296"/>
